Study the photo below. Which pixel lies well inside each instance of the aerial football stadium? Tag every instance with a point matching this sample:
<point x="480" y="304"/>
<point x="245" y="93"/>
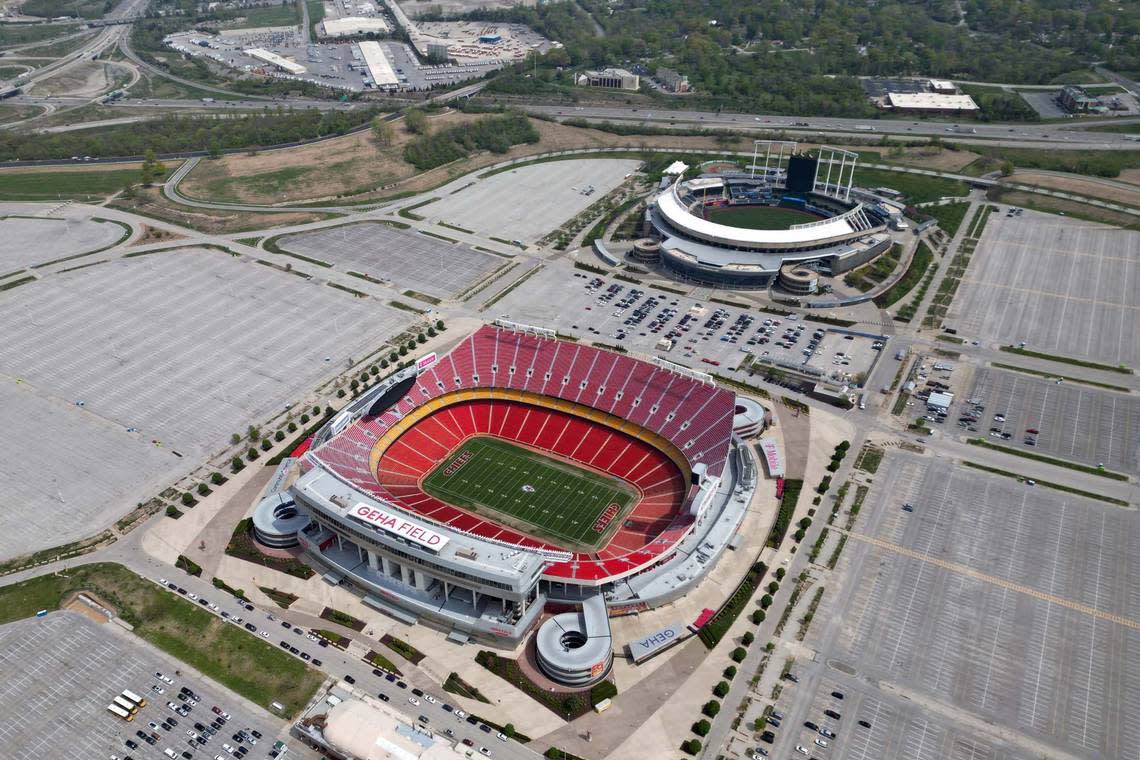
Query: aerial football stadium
<point x="518" y="471"/>
<point x="789" y="212"/>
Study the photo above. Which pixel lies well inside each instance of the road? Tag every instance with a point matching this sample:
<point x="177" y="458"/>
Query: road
<point x="1067" y="136"/>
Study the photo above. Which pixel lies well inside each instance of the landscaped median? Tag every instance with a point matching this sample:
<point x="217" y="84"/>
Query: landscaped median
<point x="224" y="652"/>
<point x="1066" y="360"/>
<point x="1048" y="460"/>
<point x="1048" y="484"/>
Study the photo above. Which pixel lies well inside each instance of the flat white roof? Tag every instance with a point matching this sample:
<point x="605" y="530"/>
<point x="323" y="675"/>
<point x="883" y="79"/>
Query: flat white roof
<point x="931" y="101"/>
<point x="262" y="54"/>
<point x="943" y="400"/>
<point x="677" y="167"/>
<point x="673" y="210"/>
<point x="353" y="25"/>
<point x="378" y="64"/>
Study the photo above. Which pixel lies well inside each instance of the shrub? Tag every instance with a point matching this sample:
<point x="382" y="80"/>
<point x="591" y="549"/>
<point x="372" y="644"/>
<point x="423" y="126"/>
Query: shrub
<point x="691" y="747"/>
<point x="304" y="419"/>
<point x="421" y="339"/>
<point x="701" y="727"/>
<point x="203" y="489"/>
<point x="353" y="386"/>
<point x="383" y="364"/>
<point x="758" y="616"/>
<point x="236" y="464"/>
<point x="730" y="672"/>
<point x="188" y="499"/>
<point x="235" y="439"/>
<point x="748" y="638"/>
<point x="266" y="444"/>
<point x="739" y="654"/>
<point x="773" y="587"/>
<point x="799" y="535"/>
<point x="765" y="601"/>
<point x="253" y="433"/>
<point x="824" y="485"/>
<point x="439" y="324"/>
<point x="316" y="411"/>
<point x="279" y="436"/>
<point x="602" y="691"/>
<point x="172" y="511"/>
<point x="805" y="523"/>
<point x="217" y="478"/>
<point x="374" y="370"/>
<point x="291" y="427"/>
<point x="571" y="704"/>
<point x="393" y="357"/>
<point x="721" y="689"/>
<point x="251" y="454"/>
<point x="711" y="708"/>
<point x="833" y="466"/>
<point x="843" y="446"/>
<point x="780" y="573"/>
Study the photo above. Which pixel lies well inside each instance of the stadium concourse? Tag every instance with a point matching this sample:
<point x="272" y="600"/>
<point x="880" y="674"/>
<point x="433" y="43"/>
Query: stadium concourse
<point x="519" y="469"/>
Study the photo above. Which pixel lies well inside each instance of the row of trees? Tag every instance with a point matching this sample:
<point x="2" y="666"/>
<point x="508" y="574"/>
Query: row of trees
<point x="175" y="134"/>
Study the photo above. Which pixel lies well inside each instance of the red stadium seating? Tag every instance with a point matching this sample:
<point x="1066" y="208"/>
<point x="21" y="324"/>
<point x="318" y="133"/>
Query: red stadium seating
<point x="694" y="416"/>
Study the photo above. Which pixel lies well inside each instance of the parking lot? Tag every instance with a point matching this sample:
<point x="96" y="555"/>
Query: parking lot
<point x="118" y="372"/>
<point x="1003" y="642"/>
<point x="404" y="258"/>
<point x="62" y="671"/>
<point x="1073" y="422"/>
<point x="22" y="239"/>
<point x="704" y="336"/>
<point x="528" y="202"/>
<point x="876" y="726"/>
<point x="1063" y="287"/>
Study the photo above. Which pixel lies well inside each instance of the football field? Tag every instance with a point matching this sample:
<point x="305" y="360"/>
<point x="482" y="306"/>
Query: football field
<point x="544" y="497"/>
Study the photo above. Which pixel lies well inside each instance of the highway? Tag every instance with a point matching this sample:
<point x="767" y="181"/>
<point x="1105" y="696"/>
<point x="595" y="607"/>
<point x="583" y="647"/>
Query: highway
<point x="1067" y="136"/>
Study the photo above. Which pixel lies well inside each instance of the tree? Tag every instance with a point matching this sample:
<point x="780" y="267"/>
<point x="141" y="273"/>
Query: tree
<point x="730" y="672"/>
<point x="235" y="438"/>
<point x="188" y="499"/>
<point x="773" y="587"/>
<point x="748" y="638"/>
<point x="721" y="689"/>
<point x="236" y="464"/>
<point x="701" y="727"/>
<point x="439" y="324"/>
<point x="217" y="478"/>
<point x="266" y="444"/>
<point x="279" y="436"/>
<point x="415" y="121"/>
<point x="739" y="654"/>
<point x="253" y="433"/>
<point x="215" y="150"/>
<point x="765" y="601"/>
<point x="382" y="131"/>
<point x="1006" y="168"/>
<point x="780" y="573"/>
<point x="711" y="708"/>
<point x="203" y="489"/>
<point x="151" y="168"/>
<point x="758" y="616"/>
<point x="509" y="730"/>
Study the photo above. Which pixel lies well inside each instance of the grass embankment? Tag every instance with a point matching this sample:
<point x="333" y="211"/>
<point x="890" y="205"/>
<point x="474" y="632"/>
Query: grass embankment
<point x="229" y="655"/>
<point x="64" y="185"/>
<point x="457" y="685"/>
<point x="921" y="261"/>
<point x="983" y="443"/>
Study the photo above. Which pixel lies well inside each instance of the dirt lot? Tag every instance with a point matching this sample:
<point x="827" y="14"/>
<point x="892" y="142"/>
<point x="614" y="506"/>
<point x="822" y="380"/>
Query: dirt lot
<point x="1131" y="176"/>
<point x="354" y="165"/>
<point x="1090" y="186"/>
<point x="216" y="222"/>
<point x="933" y="158"/>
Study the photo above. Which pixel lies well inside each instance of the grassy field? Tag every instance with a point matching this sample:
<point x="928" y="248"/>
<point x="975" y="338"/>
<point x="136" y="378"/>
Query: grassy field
<point x="760" y="217"/>
<point x="949" y="216"/>
<point x="249" y="666"/>
<point x="80" y="185"/>
<point x="19" y="34"/>
<point x="543" y="496"/>
<point x="918" y="266"/>
<point x="268" y="15"/>
<point x="916" y="188"/>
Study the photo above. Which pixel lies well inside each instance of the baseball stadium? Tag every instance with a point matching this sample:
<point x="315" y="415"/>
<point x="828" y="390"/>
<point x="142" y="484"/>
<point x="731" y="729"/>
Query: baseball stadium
<point x="518" y="471"/>
<point x="789" y="212"/>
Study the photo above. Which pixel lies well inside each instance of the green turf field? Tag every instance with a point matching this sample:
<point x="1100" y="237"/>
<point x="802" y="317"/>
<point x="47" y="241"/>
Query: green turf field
<point x="541" y="496"/>
<point x="759" y="217"/>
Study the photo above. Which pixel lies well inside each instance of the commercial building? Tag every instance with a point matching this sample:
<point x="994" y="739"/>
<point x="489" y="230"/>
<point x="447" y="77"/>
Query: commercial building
<point x="614" y="79"/>
<point x="379" y="68"/>
<point x="1077" y="100"/>
<point x="353" y="26"/>
<point x="671" y="81"/>
<point x="273" y="59"/>
<point x="931" y="103"/>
